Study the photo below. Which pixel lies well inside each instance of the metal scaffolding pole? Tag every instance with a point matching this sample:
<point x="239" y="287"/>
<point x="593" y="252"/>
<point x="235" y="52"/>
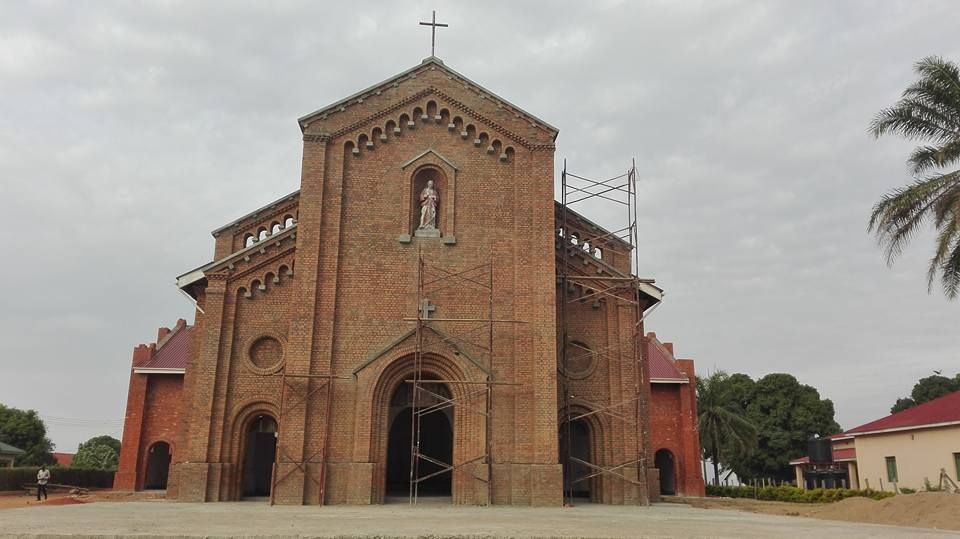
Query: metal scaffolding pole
<point x="432" y="279"/>
<point x="615" y="290"/>
<point x="282" y="456"/>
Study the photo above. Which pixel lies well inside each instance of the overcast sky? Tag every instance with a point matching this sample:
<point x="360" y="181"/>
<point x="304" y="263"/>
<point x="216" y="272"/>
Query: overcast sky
<point x="129" y="131"/>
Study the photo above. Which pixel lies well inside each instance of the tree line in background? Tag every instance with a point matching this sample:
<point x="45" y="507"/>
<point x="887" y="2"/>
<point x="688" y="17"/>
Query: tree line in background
<point x="25" y="430"/>
<point x="755" y="427"/>
<point x="927" y="389"/>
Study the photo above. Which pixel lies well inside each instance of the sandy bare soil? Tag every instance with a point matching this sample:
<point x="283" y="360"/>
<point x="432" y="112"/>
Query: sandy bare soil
<point x="936" y="510"/>
<point x="164" y="519"/>
<point x="10" y="500"/>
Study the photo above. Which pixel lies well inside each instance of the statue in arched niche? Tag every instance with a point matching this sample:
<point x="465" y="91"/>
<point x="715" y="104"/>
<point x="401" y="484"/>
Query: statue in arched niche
<point x="429" y="201"/>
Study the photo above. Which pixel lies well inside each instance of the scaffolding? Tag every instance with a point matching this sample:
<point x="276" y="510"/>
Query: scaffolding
<point x="476" y="396"/>
<point x="298" y="386"/>
<point x="618" y="290"/>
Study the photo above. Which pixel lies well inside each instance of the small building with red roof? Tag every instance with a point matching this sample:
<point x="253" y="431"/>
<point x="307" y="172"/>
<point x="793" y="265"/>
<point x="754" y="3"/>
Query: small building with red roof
<point x="673" y="419"/>
<point x="63" y="459"/>
<point x="153" y="409"/>
<point x="902" y="450"/>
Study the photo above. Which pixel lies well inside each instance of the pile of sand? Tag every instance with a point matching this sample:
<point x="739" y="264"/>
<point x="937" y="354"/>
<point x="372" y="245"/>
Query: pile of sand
<point x="923" y="510"/>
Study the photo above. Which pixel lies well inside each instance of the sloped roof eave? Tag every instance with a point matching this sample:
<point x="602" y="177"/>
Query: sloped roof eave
<point x="256" y="211"/>
<point x="429" y="60"/>
<point x="198" y="274"/>
<point x="905" y="428"/>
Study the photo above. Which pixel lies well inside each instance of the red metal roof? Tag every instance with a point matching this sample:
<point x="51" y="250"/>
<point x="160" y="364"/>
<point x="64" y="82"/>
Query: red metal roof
<point x="662" y="366"/>
<point x="945" y="409"/>
<point x="847" y="453"/>
<point x="64" y="459"/>
<point x="173" y="352"/>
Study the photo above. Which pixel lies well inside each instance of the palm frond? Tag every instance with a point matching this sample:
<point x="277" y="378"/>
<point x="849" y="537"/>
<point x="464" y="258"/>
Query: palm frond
<point x="946" y="259"/>
<point x="937" y="69"/>
<point x="898" y="215"/>
<point x="925" y="158"/>
<point x="950" y="271"/>
<point x="914" y="120"/>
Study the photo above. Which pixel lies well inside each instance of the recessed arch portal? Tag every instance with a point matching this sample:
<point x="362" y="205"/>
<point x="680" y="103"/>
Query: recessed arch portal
<point x="664" y="461"/>
<point x="435" y="440"/>
<point x="576" y="441"/>
<point x="158" y="466"/>
<point x="260" y="448"/>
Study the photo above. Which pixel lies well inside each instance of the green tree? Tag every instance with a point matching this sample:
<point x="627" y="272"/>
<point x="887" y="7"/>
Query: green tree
<point x="786" y="414"/>
<point x="928" y="112"/>
<point x="927" y="389"/>
<point x="724" y="432"/>
<point x="99" y="452"/>
<point x="25" y="429"/>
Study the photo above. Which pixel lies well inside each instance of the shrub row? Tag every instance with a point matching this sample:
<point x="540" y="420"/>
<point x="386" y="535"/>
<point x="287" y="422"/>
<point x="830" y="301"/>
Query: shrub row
<point x="15" y="478"/>
<point x="794" y="494"/>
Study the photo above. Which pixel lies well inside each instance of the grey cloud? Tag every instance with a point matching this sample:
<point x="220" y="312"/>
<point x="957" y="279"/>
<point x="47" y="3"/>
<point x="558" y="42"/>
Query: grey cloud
<point x="129" y="131"/>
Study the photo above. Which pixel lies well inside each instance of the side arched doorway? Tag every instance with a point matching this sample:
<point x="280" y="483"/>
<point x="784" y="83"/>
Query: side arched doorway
<point x="158" y="466"/>
<point x="575" y="441"/>
<point x="260" y="449"/>
<point x="663" y="460"/>
<point x="435" y="439"/>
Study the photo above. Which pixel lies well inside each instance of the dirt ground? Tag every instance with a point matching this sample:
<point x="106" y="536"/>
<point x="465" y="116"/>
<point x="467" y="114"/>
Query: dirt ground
<point x="683" y="517"/>
<point x="937" y="510"/>
<point x="10" y="500"/>
<point x="163" y="519"/>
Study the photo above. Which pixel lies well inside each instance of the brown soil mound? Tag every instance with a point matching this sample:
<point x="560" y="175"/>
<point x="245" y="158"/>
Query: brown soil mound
<point x="923" y="509"/>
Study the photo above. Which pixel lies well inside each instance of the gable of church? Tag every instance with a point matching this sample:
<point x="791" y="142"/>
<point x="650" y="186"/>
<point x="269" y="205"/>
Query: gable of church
<point x="394" y="104"/>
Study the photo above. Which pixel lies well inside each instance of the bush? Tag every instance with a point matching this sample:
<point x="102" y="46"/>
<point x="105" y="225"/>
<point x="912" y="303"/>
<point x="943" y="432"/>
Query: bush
<point x="793" y="494"/>
<point x="908" y="491"/>
<point x="15" y="478"/>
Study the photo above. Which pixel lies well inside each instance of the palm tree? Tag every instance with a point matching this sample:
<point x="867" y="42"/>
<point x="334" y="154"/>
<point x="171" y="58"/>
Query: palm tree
<point x="929" y="112"/>
<point x="720" y="422"/>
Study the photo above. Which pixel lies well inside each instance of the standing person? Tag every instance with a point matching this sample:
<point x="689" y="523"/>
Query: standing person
<point x="43" y="476"/>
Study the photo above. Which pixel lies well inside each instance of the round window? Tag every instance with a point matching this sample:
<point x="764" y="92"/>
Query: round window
<point x="580" y="360"/>
<point x="266" y="354"/>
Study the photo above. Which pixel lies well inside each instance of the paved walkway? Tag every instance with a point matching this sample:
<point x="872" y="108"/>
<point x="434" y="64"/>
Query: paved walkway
<point x="213" y="520"/>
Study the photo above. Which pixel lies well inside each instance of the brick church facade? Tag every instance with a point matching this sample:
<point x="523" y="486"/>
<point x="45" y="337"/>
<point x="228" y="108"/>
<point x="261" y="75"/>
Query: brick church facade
<point x="324" y="311"/>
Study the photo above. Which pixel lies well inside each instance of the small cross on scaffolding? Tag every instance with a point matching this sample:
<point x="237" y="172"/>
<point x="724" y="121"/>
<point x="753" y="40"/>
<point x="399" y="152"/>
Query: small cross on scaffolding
<point x="426" y="308"/>
<point x="433" y="32"/>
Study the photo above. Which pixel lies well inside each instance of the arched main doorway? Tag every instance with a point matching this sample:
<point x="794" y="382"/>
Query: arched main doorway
<point x="260" y="450"/>
<point x="663" y="460"/>
<point x="158" y="466"/>
<point x="436" y="442"/>
<point x="575" y="441"/>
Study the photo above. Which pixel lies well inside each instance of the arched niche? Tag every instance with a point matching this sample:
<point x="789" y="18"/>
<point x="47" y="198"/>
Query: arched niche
<point x="417" y="172"/>
<point x="425" y="178"/>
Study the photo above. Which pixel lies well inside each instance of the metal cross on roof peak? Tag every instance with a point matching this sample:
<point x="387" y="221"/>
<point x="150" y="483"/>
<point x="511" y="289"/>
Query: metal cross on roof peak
<point x="433" y="32"/>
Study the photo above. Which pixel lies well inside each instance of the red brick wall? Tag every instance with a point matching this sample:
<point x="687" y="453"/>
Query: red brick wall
<point x="130" y="448"/>
<point x="355" y="282"/>
<point x="153" y="415"/>
<point x="673" y="426"/>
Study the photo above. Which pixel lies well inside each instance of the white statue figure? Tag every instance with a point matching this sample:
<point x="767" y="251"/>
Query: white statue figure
<point x="429" y="198"/>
